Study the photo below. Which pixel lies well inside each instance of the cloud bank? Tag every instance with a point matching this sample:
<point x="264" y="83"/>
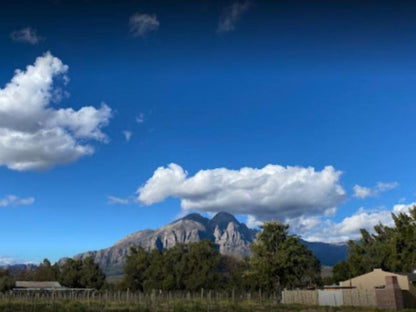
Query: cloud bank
<point x="142" y="24"/>
<point x="231" y="15"/>
<point x="349" y="227"/>
<point x="26" y="35"/>
<point x="12" y="200"/>
<point x="272" y="192"/>
<point x="33" y="134"/>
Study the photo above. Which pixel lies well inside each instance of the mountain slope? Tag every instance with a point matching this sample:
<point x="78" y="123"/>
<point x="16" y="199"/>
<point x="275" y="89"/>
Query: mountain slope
<point x="231" y="237"/>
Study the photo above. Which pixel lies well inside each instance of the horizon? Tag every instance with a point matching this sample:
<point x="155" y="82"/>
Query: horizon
<point x="118" y="116"/>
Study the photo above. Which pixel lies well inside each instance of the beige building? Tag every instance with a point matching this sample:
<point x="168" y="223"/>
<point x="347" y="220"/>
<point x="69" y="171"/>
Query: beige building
<point x="377" y="278"/>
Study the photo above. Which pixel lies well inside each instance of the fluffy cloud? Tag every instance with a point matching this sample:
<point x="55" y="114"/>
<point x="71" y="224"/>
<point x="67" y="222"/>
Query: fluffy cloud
<point x="272" y="192"/>
<point x="231" y="15"/>
<point x="127" y="135"/>
<point x="142" y="24"/>
<point x="26" y="35"/>
<point x="12" y="200"/>
<point x="380" y="187"/>
<point x="33" y="134"/>
<point x="349" y="227"/>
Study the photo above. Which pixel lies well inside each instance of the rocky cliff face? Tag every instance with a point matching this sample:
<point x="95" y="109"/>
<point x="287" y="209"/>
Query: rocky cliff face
<point x="231" y="237"/>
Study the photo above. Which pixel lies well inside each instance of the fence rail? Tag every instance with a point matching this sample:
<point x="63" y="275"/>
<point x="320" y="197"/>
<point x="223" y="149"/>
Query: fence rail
<point x="153" y="297"/>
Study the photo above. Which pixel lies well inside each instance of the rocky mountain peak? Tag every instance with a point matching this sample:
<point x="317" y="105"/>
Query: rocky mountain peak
<point x="195" y="217"/>
<point x="231" y="237"/>
<point x="222" y="220"/>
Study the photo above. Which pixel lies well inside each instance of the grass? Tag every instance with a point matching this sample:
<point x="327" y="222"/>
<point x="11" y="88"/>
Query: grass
<point x="171" y="306"/>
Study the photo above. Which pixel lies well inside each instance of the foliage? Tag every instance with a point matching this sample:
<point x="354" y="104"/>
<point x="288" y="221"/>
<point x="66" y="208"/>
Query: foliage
<point x="81" y="274"/>
<point x="389" y="248"/>
<point x="46" y="272"/>
<point x="6" y="281"/>
<point x="91" y="274"/>
<point x="183" y="267"/>
<point x="135" y="268"/>
<point x="280" y="260"/>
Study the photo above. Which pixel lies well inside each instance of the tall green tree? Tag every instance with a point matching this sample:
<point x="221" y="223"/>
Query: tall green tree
<point x="135" y="268"/>
<point x="280" y="260"/>
<point x="202" y="266"/>
<point x="389" y="248"/>
<point x="91" y="274"/>
<point x="81" y="274"/>
<point x="71" y="274"/>
<point x="46" y="272"/>
<point x="7" y="282"/>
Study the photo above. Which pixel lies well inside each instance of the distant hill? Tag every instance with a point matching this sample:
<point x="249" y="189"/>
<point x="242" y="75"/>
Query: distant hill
<point x="17" y="269"/>
<point x="231" y="237"/>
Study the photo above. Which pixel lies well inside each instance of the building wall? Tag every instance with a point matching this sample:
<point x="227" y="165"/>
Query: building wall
<point x="377" y="278"/>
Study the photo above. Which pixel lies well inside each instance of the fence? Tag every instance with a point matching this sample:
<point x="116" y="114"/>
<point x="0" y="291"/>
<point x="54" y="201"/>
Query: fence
<point x="348" y="297"/>
<point x="154" y="297"/>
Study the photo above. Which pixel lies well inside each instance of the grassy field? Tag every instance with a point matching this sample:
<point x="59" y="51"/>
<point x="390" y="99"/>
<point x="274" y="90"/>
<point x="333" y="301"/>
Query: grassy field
<point x="151" y="303"/>
<point x="76" y="306"/>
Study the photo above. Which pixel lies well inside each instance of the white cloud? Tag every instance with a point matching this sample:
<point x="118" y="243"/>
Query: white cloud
<point x="5" y="261"/>
<point x="380" y="187"/>
<point x="127" y="135"/>
<point x="142" y="24"/>
<point x="140" y="118"/>
<point x="231" y="15"/>
<point x="403" y="208"/>
<point x="119" y="200"/>
<point x="349" y="227"/>
<point x="12" y="200"/>
<point x="33" y="134"/>
<point x="273" y="192"/>
<point x="26" y="35"/>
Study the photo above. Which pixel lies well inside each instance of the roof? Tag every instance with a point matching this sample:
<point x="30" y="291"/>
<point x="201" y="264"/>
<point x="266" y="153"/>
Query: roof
<point x="410" y="276"/>
<point x="38" y="285"/>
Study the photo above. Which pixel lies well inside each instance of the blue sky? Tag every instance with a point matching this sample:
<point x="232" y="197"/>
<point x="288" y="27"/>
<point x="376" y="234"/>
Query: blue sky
<point x="203" y="85"/>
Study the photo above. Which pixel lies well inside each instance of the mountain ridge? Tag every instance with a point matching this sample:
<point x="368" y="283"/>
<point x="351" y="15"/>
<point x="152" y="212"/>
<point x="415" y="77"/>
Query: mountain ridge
<point x="231" y="236"/>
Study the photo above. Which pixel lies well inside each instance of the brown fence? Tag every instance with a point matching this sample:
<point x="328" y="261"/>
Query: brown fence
<point x="307" y="297"/>
<point x="140" y="298"/>
<point x="350" y="297"/>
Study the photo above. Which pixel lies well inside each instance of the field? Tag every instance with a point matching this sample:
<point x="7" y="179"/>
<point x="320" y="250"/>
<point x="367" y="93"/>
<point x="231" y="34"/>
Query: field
<point x="154" y="302"/>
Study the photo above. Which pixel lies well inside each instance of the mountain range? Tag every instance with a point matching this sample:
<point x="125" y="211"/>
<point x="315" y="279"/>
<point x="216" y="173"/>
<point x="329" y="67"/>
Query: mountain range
<point x="231" y="237"/>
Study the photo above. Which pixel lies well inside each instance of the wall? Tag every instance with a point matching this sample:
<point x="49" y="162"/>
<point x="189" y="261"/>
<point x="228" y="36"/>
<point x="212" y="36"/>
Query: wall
<point x="376" y="278"/>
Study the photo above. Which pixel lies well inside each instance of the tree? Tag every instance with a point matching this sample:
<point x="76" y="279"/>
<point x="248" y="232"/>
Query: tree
<point x="202" y="266"/>
<point x="135" y="269"/>
<point x="7" y="282"/>
<point x="46" y="272"/>
<point x="182" y="267"/>
<point x="155" y="272"/>
<point x="389" y="248"/>
<point x="82" y="274"/>
<point x="91" y="274"/>
<point x="71" y="273"/>
<point x="280" y="260"/>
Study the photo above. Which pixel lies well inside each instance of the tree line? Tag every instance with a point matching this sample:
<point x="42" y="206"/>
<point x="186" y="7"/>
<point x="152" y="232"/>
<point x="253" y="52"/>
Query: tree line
<point x="279" y="260"/>
<point x="73" y="274"/>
